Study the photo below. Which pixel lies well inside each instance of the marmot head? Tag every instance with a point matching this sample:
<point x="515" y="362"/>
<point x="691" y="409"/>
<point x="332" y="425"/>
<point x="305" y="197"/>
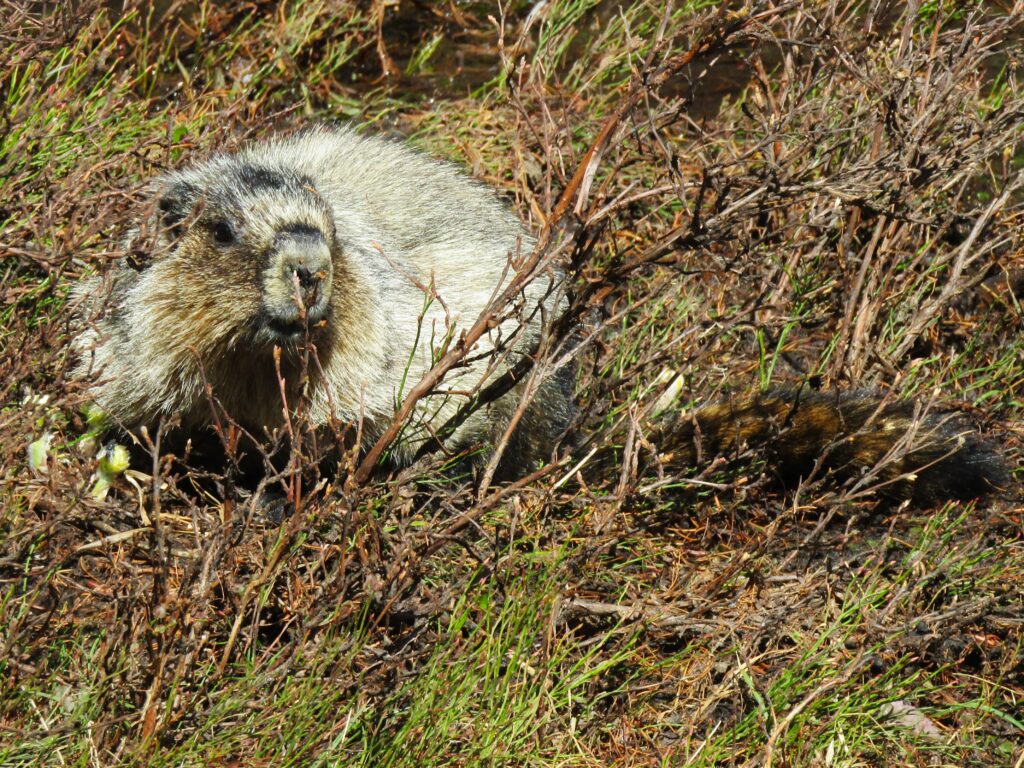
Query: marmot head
<point x="228" y="222"/>
<point x="245" y="258"/>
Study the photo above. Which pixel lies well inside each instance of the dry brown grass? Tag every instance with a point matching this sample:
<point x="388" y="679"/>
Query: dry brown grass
<point x="847" y="214"/>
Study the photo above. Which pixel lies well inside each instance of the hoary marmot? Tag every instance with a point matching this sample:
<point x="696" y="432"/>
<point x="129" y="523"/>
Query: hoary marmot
<point x="382" y="254"/>
<point x="378" y="256"/>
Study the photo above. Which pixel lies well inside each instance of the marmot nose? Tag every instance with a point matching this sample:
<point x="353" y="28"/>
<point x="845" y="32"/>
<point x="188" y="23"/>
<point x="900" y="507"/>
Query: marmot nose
<point x="310" y="272"/>
<point x="307" y="278"/>
<point x="305" y="259"/>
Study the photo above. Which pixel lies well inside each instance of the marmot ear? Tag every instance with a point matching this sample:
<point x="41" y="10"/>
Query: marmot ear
<point x="176" y="201"/>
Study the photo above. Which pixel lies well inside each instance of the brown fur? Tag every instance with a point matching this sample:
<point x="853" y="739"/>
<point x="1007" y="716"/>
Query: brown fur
<point x="892" y="448"/>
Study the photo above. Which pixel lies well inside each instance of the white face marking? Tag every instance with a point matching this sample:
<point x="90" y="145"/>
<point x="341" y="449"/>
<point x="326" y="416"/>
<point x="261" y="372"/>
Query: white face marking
<point x="297" y="283"/>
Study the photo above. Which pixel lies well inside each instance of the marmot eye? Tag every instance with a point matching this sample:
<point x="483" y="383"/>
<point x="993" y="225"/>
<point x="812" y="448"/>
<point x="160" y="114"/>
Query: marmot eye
<point x="223" y="234"/>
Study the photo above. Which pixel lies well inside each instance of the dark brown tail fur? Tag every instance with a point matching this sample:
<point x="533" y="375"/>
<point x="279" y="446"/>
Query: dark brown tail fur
<point x="898" y="449"/>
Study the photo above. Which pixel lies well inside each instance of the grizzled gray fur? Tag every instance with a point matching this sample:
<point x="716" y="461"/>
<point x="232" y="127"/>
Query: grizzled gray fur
<point x="334" y="237"/>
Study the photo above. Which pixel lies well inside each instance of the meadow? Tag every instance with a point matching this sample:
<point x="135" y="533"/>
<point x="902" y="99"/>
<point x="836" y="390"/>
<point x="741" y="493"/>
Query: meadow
<point x="741" y="195"/>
